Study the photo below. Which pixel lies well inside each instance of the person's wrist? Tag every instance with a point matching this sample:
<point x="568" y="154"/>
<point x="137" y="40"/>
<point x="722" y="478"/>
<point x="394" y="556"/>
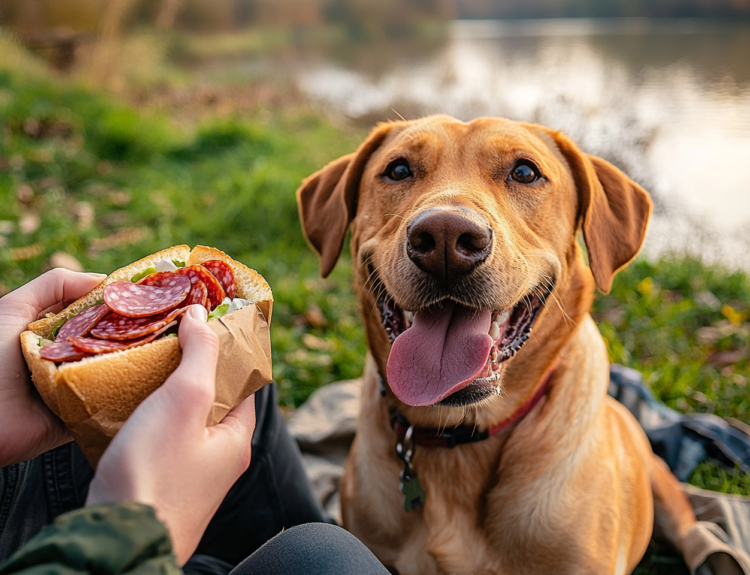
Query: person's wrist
<point x="101" y="492"/>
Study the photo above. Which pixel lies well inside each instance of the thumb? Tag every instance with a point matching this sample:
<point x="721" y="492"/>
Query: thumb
<point x="192" y="385"/>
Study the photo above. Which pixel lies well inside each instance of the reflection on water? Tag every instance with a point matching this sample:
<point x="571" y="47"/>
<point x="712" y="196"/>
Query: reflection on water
<point x="668" y="101"/>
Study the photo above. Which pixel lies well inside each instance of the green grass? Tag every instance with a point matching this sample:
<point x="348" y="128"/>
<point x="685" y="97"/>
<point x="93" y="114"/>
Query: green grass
<point x="66" y="152"/>
<point x="684" y="325"/>
<point x="713" y="476"/>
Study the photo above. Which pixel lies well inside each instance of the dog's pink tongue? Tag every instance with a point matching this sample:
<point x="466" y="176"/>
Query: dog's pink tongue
<point x="443" y="350"/>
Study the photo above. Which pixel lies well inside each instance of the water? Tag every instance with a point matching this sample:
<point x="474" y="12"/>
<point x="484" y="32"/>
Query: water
<point x="666" y="100"/>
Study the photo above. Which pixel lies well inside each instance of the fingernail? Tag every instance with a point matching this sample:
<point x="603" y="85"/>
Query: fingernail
<point x="198" y="312"/>
<point x="97" y="276"/>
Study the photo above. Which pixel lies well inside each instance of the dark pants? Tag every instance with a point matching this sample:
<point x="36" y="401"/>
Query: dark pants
<point x="312" y="549"/>
<point x="272" y="495"/>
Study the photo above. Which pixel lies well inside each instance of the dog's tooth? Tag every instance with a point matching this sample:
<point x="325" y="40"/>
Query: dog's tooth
<point x="503" y="317"/>
<point x="409" y="316"/>
<point x="494" y="330"/>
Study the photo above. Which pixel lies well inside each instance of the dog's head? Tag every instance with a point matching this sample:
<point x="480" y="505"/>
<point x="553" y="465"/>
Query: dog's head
<point x="461" y="233"/>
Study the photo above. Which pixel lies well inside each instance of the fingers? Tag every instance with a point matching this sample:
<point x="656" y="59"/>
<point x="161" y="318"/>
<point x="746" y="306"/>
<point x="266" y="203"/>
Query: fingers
<point x="235" y="433"/>
<point x="51" y="288"/>
<point x="192" y="385"/>
<point x="242" y="418"/>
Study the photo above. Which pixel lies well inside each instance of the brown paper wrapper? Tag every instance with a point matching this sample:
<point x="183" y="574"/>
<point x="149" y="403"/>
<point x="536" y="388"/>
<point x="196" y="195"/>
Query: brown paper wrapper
<point x="244" y="367"/>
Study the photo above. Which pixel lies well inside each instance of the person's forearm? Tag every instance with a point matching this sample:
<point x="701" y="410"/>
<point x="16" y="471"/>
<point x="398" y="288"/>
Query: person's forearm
<point x="113" y="538"/>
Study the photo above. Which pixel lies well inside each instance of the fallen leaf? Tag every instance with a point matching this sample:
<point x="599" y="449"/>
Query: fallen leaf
<point x="48" y="183"/>
<point x="64" y="260"/>
<point x="29" y="223"/>
<point x="26" y="252"/>
<point x="707" y="300"/>
<point x="317" y="343"/>
<point x="708" y="335"/>
<point x="701" y="398"/>
<point x="315" y="317"/>
<point x="31" y="127"/>
<point x="120" y="198"/>
<point x="83" y="212"/>
<point x="725" y="358"/>
<point x="121" y="238"/>
<point x="25" y="194"/>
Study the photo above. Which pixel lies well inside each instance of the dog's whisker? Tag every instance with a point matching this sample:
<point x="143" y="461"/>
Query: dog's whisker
<point x="558" y="300"/>
<point x="398" y="114"/>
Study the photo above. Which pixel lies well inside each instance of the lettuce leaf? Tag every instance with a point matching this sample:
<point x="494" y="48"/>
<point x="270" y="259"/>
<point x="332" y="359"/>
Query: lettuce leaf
<point x="220" y="311"/>
<point x="140" y="275"/>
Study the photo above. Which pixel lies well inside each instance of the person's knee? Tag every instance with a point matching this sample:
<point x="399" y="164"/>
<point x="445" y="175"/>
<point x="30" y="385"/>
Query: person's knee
<point x="312" y="549"/>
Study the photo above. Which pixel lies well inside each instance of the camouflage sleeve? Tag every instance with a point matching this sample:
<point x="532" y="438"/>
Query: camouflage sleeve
<point x="106" y="539"/>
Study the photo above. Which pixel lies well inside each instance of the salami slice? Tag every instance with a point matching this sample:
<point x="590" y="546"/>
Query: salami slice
<point x="198" y="295"/>
<point x="94" y="346"/>
<point x="223" y="272"/>
<point x="62" y="351"/>
<point x="156" y="279"/>
<point x="198" y="273"/>
<point x="137" y="300"/>
<point x="81" y="323"/>
<point x="122" y="327"/>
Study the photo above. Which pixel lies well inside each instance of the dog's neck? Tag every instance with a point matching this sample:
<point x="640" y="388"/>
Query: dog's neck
<point x="463" y="434"/>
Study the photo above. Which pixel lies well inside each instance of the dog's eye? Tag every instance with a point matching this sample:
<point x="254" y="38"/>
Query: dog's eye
<point x="524" y="173"/>
<point x="398" y="170"/>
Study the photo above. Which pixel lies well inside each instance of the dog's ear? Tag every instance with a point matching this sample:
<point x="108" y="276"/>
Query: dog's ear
<point x="327" y="200"/>
<point x="614" y="211"/>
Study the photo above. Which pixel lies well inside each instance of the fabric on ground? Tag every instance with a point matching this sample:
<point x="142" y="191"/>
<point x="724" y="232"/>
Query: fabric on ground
<point x="719" y="544"/>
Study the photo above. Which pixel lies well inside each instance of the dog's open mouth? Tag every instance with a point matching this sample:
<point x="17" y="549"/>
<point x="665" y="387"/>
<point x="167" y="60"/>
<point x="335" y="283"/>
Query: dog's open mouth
<point x="451" y="354"/>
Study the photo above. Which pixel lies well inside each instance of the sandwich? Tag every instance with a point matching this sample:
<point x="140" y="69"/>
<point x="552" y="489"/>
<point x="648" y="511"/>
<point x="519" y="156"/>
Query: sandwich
<point x="95" y="361"/>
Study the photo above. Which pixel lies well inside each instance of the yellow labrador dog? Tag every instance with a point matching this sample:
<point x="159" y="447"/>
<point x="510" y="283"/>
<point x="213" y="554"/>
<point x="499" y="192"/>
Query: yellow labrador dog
<point x="487" y="443"/>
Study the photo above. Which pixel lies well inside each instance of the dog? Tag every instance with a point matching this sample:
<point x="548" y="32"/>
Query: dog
<point x="486" y="442"/>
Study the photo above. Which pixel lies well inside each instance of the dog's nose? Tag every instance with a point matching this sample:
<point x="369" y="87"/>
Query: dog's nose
<point x="447" y="243"/>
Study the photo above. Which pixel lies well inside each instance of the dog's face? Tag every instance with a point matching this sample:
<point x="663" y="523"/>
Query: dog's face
<point x="461" y="232"/>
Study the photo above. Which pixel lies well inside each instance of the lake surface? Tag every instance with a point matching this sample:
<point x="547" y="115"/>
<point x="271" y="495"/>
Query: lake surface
<point x="668" y="101"/>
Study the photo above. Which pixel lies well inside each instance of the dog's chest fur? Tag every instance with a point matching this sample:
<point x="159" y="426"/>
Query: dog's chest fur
<point x="492" y="507"/>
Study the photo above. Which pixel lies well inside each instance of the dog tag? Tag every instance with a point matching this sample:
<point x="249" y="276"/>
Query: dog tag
<point x="414" y="495"/>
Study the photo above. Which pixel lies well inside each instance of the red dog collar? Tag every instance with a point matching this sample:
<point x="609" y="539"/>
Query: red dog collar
<point x="434" y="437"/>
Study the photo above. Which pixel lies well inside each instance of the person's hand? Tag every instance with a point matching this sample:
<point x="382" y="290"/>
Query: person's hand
<point x="27" y="427"/>
<point x="166" y="457"/>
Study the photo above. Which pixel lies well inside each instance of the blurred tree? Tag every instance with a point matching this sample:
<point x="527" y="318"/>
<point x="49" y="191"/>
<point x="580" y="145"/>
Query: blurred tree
<point x="33" y="15"/>
<point x="207" y="15"/>
<point x="167" y="13"/>
<point x="105" y="52"/>
<point x="368" y="19"/>
<point x="297" y="13"/>
<point x="602" y="8"/>
<point x="364" y="18"/>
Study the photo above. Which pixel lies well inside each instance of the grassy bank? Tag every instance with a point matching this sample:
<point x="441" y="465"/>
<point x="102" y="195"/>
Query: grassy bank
<point x="106" y="183"/>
